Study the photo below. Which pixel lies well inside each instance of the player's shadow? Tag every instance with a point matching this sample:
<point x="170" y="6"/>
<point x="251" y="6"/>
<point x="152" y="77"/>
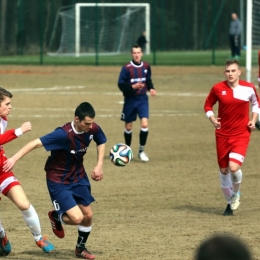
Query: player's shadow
<point x="62" y="254"/>
<point x="201" y="209"/>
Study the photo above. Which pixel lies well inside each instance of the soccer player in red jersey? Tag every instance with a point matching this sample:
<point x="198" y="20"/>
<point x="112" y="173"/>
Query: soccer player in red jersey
<point x="10" y="186"/>
<point x="233" y="128"/>
<point x="67" y="180"/>
<point x="134" y="82"/>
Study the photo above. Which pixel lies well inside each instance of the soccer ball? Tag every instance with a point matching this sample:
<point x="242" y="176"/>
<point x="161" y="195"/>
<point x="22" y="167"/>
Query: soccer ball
<point x="121" y="154"/>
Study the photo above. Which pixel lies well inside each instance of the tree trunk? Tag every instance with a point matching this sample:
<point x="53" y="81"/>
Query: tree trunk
<point x="195" y="25"/>
<point x="2" y="30"/>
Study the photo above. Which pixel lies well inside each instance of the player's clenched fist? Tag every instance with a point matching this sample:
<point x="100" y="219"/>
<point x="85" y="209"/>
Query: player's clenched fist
<point x="26" y="126"/>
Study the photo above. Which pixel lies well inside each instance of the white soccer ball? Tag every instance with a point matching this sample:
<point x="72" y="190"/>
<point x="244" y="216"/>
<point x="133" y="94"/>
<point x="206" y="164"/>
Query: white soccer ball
<point x="121" y="154"/>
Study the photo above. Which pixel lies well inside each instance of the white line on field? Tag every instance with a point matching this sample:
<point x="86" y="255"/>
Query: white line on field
<point x="105" y="112"/>
<point x="55" y="88"/>
<point x="102" y="115"/>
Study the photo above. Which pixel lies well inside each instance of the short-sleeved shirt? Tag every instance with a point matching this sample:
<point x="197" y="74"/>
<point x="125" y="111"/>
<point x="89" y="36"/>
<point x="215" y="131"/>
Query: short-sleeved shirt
<point x="67" y="147"/>
<point x="132" y="73"/>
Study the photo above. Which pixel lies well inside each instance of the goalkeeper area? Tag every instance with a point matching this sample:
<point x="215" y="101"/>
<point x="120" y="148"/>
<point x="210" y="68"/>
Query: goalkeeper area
<point x="106" y="29"/>
<point x="252" y="36"/>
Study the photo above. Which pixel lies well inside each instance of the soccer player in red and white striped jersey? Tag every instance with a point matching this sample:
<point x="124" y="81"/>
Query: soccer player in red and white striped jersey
<point x="233" y="128"/>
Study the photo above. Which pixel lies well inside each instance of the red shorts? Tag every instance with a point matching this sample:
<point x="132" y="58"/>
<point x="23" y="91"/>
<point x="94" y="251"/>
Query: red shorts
<point x="7" y="179"/>
<point x="231" y="149"/>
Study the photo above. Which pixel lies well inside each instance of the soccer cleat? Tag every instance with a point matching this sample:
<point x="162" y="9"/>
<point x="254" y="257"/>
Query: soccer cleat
<point x="142" y="155"/>
<point x="83" y="253"/>
<point x="56" y="224"/>
<point x="5" y="245"/>
<point x="228" y="211"/>
<point x="235" y="201"/>
<point x="45" y="245"/>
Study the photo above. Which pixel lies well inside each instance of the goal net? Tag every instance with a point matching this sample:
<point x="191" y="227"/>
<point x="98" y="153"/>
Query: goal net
<point x="252" y="38"/>
<point x="87" y="29"/>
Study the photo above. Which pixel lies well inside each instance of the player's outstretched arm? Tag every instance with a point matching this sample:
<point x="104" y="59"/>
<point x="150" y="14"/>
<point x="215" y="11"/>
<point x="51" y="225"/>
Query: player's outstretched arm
<point x="10" y="162"/>
<point x="12" y="134"/>
<point x="25" y="127"/>
<point x="97" y="173"/>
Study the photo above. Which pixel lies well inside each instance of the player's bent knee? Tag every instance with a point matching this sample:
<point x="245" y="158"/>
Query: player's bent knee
<point x="88" y="216"/>
<point x="234" y="167"/>
<point x="76" y="219"/>
<point x="224" y="171"/>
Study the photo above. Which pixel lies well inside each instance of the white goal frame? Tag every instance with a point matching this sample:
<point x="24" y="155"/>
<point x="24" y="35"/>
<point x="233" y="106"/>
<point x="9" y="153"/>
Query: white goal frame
<point x="249" y="40"/>
<point x="77" y="20"/>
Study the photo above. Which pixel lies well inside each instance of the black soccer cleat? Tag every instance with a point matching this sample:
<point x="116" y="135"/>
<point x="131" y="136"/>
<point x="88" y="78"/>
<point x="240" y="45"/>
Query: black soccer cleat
<point x="228" y="211"/>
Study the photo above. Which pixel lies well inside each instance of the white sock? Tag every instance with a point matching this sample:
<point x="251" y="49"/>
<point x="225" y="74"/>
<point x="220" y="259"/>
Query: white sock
<point x="61" y="220"/>
<point x="32" y="220"/>
<point x="226" y="186"/>
<point x="84" y="229"/>
<point x="128" y="132"/>
<point x="2" y="231"/>
<point x="236" y="178"/>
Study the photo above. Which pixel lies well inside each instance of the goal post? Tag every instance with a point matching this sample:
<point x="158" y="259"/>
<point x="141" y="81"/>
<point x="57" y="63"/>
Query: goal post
<point x="252" y="39"/>
<point x="249" y="40"/>
<point x="103" y="28"/>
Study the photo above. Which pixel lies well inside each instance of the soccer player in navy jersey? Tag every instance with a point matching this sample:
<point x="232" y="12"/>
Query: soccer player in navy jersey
<point x="134" y="82"/>
<point x="233" y="128"/>
<point x="10" y="186"/>
<point x="67" y="180"/>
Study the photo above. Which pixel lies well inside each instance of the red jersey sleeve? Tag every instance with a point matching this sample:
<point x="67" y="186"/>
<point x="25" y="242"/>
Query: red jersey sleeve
<point x="210" y="102"/>
<point x="7" y="136"/>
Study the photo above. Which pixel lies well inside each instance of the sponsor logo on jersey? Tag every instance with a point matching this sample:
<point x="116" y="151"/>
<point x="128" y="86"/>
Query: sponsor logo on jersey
<point x="83" y="150"/>
<point x="138" y="80"/>
<point x="224" y="93"/>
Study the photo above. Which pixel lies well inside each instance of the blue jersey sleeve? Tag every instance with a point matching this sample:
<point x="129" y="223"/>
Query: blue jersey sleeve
<point x="99" y="137"/>
<point x="55" y="140"/>
<point x="124" y="83"/>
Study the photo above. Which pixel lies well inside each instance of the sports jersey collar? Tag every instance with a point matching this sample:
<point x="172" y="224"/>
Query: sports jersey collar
<point x="135" y="64"/>
<point x="74" y="129"/>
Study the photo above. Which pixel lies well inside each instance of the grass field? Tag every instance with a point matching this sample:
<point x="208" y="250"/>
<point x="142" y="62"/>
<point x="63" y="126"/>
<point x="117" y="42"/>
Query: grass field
<point x="161" y="209"/>
<point x="181" y="58"/>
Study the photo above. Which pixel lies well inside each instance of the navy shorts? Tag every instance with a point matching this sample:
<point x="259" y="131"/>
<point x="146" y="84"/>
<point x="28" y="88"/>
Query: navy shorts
<point x="133" y="106"/>
<point x="67" y="196"/>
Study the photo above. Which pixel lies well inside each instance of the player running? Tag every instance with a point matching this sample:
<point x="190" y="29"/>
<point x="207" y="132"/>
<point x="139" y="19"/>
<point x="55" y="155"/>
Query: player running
<point x="233" y="128"/>
<point x="11" y="187"/>
<point x="67" y="180"/>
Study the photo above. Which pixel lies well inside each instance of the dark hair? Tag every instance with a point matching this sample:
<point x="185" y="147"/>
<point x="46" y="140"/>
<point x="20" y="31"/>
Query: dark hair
<point x="4" y="93"/>
<point x="223" y="247"/>
<point x="230" y="62"/>
<point x="136" y="46"/>
<point x="83" y="110"/>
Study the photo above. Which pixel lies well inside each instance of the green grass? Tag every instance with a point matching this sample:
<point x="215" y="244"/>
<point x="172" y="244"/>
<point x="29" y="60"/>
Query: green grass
<point x="175" y="58"/>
